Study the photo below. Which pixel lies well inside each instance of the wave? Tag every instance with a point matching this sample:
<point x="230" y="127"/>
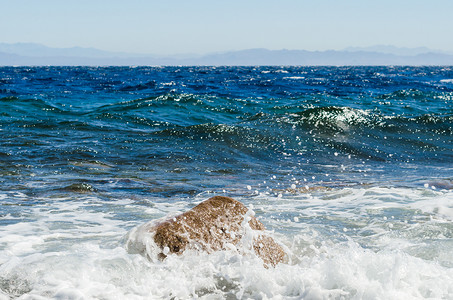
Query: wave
<point x="170" y="110"/>
<point x="335" y="119"/>
<point x="407" y="94"/>
<point x="250" y="127"/>
<point x="27" y="105"/>
<point x="185" y="109"/>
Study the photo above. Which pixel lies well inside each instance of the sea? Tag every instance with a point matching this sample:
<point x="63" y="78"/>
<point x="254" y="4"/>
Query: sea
<point x="349" y="168"/>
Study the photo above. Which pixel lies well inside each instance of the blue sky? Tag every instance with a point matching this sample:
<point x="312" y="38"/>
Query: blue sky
<point x="202" y="26"/>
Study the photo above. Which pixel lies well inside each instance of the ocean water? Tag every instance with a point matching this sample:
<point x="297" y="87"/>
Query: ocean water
<point x="349" y="168"/>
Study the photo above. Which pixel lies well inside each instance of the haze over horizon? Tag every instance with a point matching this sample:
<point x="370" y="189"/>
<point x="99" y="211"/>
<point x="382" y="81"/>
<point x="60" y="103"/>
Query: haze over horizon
<point x="37" y="49"/>
<point x="202" y="27"/>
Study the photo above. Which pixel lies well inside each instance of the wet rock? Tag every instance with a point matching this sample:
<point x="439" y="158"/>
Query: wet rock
<point x="216" y="224"/>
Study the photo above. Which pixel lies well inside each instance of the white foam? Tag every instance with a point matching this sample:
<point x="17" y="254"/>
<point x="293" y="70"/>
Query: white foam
<point x="294" y="77"/>
<point x="446" y="80"/>
<point x="77" y="249"/>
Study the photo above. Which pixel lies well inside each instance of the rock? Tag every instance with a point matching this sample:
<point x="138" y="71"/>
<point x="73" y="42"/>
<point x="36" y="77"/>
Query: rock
<point x="213" y="225"/>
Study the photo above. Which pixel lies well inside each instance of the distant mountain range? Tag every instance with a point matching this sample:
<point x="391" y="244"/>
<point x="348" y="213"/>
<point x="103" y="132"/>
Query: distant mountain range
<point x="401" y="51"/>
<point x="29" y="54"/>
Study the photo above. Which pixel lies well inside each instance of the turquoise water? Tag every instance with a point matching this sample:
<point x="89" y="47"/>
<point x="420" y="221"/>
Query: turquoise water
<point x="350" y="167"/>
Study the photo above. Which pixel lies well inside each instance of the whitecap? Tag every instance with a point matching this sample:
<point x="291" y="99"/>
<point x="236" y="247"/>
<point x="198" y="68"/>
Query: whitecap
<point x="294" y="77"/>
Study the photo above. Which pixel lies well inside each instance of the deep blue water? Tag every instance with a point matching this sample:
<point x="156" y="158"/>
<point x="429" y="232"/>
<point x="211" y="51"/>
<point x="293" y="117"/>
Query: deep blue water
<point x="170" y="130"/>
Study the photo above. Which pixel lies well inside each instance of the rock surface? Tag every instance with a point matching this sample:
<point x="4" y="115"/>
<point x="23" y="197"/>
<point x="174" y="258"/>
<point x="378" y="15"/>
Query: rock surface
<point x="215" y="224"/>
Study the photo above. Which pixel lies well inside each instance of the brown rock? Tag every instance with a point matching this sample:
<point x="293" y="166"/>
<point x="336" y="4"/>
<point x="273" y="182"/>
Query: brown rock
<point x="210" y="226"/>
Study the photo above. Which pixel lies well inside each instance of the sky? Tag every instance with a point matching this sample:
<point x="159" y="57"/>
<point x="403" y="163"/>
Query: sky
<point x="170" y="27"/>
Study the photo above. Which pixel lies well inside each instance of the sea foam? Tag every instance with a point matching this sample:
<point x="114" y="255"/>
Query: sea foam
<point x="80" y="252"/>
